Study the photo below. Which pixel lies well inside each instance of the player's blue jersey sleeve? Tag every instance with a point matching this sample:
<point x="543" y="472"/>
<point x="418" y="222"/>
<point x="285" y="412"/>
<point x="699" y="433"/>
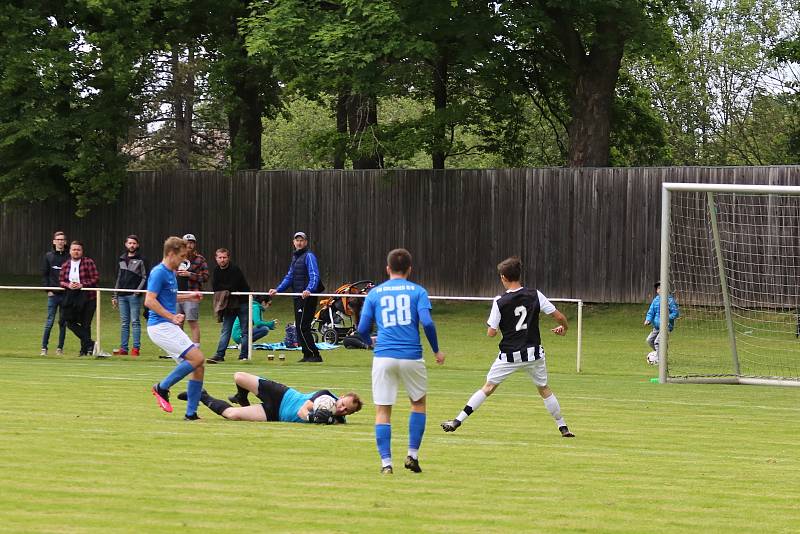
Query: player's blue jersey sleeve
<point x="156" y="280"/>
<point x="366" y="320"/>
<point x="429" y="327"/>
<point x="423" y="302"/>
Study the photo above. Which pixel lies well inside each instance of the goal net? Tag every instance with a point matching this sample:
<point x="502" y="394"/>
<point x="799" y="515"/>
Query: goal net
<point x="731" y="258"/>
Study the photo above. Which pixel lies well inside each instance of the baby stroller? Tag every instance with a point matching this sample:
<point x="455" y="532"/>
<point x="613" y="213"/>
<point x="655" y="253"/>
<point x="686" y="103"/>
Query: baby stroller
<point x="338" y="316"/>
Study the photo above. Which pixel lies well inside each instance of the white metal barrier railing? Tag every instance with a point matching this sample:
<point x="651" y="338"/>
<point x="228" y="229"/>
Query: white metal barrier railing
<point x="252" y="294"/>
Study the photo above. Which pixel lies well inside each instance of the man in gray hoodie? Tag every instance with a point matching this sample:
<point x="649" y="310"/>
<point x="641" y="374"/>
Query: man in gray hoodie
<point x="131" y="274"/>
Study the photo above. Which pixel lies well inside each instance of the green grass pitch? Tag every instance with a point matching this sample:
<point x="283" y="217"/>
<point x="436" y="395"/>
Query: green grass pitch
<point x="84" y="448"/>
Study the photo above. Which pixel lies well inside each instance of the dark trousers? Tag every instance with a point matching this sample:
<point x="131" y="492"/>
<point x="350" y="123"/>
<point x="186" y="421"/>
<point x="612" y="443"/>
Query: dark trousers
<point x="53" y="305"/>
<point x="82" y="328"/>
<point x="228" y="318"/>
<point x="303" y="317"/>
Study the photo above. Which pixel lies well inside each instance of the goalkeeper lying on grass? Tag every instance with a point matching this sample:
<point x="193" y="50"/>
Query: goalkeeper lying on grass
<point x="280" y="403"/>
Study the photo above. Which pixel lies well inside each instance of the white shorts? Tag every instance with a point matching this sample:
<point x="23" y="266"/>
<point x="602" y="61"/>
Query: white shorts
<point x="386" y="376"/>
<point x="171" y="338"/>
<point x="501" y="370"/>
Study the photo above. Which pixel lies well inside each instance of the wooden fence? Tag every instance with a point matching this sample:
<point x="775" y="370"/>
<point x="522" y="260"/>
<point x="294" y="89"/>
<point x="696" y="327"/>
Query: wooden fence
<point x="582" y="233"/>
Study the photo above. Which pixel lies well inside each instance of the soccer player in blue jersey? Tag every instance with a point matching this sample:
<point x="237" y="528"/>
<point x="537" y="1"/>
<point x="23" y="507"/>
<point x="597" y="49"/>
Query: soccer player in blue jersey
<point x="398" y="307"/>
<point x="163" y="327"/>
<point x="278" y="403"/>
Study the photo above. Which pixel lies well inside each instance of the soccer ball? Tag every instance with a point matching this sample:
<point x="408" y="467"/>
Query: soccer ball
<point x="652" y="358"/>
<point x="325" y="402"/>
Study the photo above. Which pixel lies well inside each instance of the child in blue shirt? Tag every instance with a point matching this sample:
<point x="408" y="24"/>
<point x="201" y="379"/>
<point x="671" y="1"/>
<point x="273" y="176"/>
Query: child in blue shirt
<point x="653" y="316"/>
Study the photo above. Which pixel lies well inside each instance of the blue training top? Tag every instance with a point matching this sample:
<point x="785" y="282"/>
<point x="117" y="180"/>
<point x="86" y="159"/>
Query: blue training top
<point x="163" y="282"/>
<point x="654" y="312"/>
<point x="397" y="307"/>
<point x="292" y="401"/>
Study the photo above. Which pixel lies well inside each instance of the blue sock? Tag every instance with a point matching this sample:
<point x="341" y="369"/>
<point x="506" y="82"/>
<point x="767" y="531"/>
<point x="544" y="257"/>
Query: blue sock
<point x="177" y="374"/>
<point x="383" y="436"/>
<point x="416" y="428"/>
<point x="193" y="390"/>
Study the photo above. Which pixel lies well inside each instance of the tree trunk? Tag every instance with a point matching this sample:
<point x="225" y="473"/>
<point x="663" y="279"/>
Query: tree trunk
<point x="594" y="71"/>
<point x="244" y="117"/>
<point x="590" y="126"/>
<point x="440" y="75"/>
<point x="362" y="120"/>
<point x="182" y="104"/>
<point x="252" y="127"/>
<point x="340" y="151"/>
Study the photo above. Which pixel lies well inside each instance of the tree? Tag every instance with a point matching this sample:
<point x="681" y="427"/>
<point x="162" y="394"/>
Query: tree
<point x="722" y="93"/>
<point x="334" y="48"/>
<point x="570" y="53"/>
<point x="65" y="115"/>
<point x="446" y="43"/>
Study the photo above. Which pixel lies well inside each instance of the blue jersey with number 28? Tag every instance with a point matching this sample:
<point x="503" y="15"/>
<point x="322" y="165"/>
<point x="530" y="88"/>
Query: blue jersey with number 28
<point x="394" y="306"/>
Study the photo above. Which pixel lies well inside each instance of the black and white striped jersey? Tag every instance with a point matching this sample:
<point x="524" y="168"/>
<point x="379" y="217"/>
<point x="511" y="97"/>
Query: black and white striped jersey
<point x="516" y="315"/>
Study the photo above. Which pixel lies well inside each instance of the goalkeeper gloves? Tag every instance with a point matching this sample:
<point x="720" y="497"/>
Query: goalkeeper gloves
<point x="321" y="417"/>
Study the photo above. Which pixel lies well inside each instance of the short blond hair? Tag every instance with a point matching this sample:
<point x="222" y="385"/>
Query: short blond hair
<point x="173" y="244"/>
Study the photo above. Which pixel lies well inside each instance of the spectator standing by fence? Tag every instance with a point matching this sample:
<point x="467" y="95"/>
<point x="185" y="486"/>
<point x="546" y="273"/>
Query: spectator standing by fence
<point x="131" y="274"/>
<point x="192" y="274"/>
<point x="227" y="279"/>
<point x="79" y="306"/>
<point x="303" y="277"/>
<point x="51" y="271"/>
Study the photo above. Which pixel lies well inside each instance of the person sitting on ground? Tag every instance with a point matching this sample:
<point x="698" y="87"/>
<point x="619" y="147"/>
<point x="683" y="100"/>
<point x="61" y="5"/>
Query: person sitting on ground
<point x="260" y="327"/>
<point x="279" y="403"/>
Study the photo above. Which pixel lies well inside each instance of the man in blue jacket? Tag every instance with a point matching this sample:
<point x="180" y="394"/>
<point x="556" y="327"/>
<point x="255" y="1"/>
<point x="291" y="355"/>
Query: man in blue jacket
<point x="303" y="277"/>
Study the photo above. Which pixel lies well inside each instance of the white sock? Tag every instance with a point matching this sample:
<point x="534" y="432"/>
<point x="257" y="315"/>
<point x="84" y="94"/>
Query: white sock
<point x="414" y="453"/>
<point x="551" y="403"/>
<point x="473" y="404"/>
<point x="386" y="461"/>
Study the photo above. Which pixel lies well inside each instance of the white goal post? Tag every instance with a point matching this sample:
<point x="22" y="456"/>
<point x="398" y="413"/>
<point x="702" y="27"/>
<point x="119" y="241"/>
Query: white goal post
<point x="730" y="257"/>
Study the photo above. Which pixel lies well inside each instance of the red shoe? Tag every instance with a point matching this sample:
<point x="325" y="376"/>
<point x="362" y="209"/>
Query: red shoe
<point x="134" y="352"/>
<point x="163" y="398"/>
<point x="119" y="352"/>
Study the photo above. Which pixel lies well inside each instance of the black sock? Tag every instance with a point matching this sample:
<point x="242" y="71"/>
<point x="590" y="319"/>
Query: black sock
<point x="215" y="405"/>
<point x="242" y="394"/>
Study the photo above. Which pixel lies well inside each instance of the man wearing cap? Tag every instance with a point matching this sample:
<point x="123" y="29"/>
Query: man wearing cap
<point x="303" y="277"/>
<point x="192" y="274"/>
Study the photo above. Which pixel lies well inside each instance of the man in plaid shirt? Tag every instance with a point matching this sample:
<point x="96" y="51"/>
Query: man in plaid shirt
<point x="192" y="273"/>
<point x="76" y="273"/>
